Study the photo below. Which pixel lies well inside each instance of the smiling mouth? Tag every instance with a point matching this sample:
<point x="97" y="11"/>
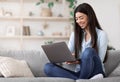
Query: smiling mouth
<point x="82" y="25"/>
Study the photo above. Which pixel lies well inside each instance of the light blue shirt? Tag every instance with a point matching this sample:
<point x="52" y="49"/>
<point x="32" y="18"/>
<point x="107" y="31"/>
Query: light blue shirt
<point x="102" y="43"/>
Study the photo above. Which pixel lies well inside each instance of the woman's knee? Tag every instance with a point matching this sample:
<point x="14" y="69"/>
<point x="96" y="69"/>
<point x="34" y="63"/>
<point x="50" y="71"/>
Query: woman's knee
<point x="89" y="52"/>
<point x="48" y="67"/>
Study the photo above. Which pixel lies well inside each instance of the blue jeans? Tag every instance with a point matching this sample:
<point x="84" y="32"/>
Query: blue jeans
<point x="90" y="66"/>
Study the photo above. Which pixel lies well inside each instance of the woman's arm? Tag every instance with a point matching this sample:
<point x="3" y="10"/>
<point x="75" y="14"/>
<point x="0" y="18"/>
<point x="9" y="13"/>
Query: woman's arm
<point x="71" y="43"/>
<point x="102" y="45"/>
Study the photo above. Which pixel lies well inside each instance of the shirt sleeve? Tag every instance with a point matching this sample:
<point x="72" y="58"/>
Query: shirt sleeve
<point x="71" y="42"/>
<point x="102" y="45"/>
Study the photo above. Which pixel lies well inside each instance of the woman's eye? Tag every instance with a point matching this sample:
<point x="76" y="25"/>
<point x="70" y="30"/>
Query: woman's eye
<point x="80" y="17"/>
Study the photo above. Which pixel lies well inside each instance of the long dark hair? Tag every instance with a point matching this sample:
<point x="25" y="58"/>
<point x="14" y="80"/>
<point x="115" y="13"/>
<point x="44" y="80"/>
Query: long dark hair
<point x="92" y="23"/>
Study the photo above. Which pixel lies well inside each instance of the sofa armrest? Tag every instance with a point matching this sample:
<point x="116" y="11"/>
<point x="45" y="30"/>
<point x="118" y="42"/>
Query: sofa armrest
<point x="112" y="61"/>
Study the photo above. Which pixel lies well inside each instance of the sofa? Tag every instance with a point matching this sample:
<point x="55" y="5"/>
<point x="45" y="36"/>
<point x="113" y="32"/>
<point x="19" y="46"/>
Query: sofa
<point x="37" y="59"/>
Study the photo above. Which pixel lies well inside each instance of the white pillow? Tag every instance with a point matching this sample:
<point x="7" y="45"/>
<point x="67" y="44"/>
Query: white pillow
<point x="1" y="75"/>
<point x="10" y="67"/>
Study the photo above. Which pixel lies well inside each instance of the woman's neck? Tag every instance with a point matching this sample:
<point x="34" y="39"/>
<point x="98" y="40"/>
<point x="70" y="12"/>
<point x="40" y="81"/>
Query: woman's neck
<point x="87" y="34"/>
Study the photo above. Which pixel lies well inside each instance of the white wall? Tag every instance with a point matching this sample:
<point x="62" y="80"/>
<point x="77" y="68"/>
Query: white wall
<point x="108" y="14"/>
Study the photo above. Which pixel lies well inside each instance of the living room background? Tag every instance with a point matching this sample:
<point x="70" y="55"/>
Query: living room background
<point x="107" y="11"/>
<point x="25" y="26"/>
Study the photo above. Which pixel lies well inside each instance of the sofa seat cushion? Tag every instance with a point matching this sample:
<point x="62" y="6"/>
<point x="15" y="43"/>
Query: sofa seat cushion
<point x="37" y="79"/>
<point x="111" y="79"/>
<point x="55" y="79"/>
<point x="10" y="67"/>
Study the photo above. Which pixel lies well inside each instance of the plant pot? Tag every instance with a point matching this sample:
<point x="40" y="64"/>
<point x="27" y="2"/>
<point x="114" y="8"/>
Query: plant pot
<point x="46" y="12"/>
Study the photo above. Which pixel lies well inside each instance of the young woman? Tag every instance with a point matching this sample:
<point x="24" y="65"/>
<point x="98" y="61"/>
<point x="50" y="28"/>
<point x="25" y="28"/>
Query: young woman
<point x="88" y="43"/>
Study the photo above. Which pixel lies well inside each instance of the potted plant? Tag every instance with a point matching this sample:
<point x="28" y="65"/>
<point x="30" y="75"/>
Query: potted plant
<point x="46" y="11"/>
<point x="72" y="5"/>
<point x="50" y="4"/>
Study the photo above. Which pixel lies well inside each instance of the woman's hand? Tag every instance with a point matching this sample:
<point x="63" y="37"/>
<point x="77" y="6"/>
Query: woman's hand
<point x="73" y="62"/>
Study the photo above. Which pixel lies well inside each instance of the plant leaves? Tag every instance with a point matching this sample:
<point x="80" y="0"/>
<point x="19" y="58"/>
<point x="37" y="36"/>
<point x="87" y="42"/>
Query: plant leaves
<point x="39" y="2"/>
<point x="50" y="4"/>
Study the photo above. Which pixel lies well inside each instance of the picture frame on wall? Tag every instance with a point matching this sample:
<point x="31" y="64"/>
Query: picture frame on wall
<point x="10" y="31"/>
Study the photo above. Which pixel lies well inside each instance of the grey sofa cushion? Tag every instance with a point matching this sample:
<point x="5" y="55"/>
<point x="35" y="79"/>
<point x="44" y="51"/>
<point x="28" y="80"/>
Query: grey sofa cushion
<point x="115" y="72"/>
<point x="41" y="79"/>
<point x="112" y="61"/>
<point x="55" y="79"/>
<point x="112" y="79"/>
<point x="35" y="59"/>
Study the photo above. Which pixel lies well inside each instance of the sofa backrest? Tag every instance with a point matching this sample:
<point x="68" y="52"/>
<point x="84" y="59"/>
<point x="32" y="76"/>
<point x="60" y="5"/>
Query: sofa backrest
<point x="35" y="59"/>
<point x="113" y="60"/>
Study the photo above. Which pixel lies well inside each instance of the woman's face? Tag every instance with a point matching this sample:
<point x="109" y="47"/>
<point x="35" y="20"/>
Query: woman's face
<point x="81" y="19"/>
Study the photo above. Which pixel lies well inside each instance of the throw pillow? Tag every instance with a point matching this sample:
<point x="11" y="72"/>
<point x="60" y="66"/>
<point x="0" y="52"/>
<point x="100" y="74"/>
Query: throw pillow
<point x="10" y="67"/>
<point x="1" y="75"/>
<point x="115" y="72"/>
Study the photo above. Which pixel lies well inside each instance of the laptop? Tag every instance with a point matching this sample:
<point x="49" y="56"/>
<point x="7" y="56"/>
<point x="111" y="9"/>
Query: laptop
<point x="58" y="52"/>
